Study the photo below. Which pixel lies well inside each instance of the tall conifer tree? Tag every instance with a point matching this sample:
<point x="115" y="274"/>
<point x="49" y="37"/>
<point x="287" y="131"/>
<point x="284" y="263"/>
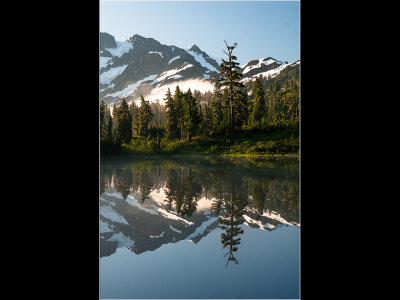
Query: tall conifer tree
<point x="115" y="133"/>
<point x="179" y="110"/>
<point x="217" y="111"/>
<point x="191" y="117"/>
<point x="230" y="80"/>
<point x="134" y="110"/>
<point x="124" y="122"/>
<point x="145" y="116"/>
<point x="259" y="106"/>
<point x="171" y="116"/>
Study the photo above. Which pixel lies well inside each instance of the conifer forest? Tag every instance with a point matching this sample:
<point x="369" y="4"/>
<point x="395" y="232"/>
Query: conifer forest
<point x="259" y="117"/>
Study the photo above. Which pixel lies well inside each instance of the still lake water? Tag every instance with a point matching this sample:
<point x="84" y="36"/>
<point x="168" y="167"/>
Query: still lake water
<point x="198" y="227"/>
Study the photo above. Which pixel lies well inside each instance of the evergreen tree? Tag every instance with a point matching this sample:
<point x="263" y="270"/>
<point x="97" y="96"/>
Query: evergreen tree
<point x="179" y="110"/>
<point x="103" y="120"/>
<point x="270" y="87"/>
<point x="259" y="106"/>
<point x="171" y="116"/>
<point x="115" y="124"/>
<point x="191" y="117"/>
<point x="135" y="119"/>
<point x="230" y="80"/>
<point x="109" y="123"/>
<point x="205" y="126"/>
<point x="241" y="110"/>
<point x="277" y="86"/>
<point x="124" y="124"/>
<point x="217" y="109"/>
<point x="132" y="109"/>
<point x="145" y="116"/>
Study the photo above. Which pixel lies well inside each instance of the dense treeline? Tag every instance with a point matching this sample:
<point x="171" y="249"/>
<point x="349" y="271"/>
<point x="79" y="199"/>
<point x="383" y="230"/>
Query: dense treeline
<point x="233" y="109"/>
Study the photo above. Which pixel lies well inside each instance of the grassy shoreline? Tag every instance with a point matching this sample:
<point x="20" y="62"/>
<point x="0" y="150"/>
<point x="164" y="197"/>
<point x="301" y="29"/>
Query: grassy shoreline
<point x="145" y="156"/>
<point x="261" y="144"/>
<point x="131" y="153"/>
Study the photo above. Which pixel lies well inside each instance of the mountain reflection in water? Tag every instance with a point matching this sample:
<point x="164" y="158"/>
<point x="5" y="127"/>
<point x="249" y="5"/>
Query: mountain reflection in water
<point x="150" y="202"/>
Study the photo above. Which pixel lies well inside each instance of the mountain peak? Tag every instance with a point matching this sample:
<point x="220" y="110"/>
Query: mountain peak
<point x="268" y="58"/>
<point x="195" y="48"/>
<point x="135" y="37"/>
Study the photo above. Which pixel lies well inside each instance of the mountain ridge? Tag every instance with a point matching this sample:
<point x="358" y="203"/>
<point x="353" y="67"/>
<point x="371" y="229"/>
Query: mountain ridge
<point x="144" y="66"/>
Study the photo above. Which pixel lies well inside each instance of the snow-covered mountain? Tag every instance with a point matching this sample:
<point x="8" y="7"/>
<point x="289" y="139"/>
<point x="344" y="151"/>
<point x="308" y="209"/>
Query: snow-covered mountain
<point x="144" y="66"/>
<point x="147" y="226"/>
<point x="267" y="67"/>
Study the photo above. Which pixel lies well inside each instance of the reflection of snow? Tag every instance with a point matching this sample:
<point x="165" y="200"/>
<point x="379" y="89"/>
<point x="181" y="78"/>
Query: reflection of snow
<point x="132" y="201"/>
<point x="157" y="236"/>
<point x="156" y="52"/>
<point x="200" y="230"/>
<point x="110" y="214"/>
<point x="250" y="220"/>
<point x="104" y="61"/>
<point x="204" y="204"/>
<point x="158" y="196"/>
<point x="104" y="227"/>
<point x="172" y="59"/>
<point x="108" y="201"/>
<point x="275" y="216"/>
<point x="270" y="226"/>
<point x="122" y="239"/>
<point x="174" y="229"/>
<point x="117" y="195"/>
<point x="171" y="216"/>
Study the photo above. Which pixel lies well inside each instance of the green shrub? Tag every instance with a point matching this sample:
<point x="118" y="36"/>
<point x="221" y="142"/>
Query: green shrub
<point x="212" y="149"/>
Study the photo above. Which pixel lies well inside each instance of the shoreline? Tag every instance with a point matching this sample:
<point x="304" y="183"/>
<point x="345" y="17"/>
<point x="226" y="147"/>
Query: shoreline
<point x="196" y="154"/>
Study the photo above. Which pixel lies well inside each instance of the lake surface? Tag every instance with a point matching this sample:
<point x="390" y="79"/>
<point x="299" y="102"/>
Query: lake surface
<point x="199" y="227"/>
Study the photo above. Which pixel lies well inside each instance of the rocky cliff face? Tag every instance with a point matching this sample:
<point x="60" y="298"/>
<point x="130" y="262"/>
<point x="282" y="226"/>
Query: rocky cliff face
<point x="107" y="41"/>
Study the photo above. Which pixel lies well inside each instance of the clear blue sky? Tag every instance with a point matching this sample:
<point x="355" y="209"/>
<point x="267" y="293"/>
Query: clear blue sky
<point x="261" y="28"/>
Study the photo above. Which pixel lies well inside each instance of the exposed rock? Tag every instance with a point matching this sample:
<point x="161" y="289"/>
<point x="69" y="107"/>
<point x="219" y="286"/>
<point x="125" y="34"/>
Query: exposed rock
<point x="107" y="41"/>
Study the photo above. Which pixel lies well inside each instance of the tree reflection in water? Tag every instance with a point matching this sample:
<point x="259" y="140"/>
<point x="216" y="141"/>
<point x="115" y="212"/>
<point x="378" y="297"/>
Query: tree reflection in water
<point x="183" y="190"/>
<point x="123" y="181"/>
<point x="234" y="202"/>
<point x="235" y="188"/>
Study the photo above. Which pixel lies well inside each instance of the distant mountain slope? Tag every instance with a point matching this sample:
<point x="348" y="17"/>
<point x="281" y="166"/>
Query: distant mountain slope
<point x="144" y="66"/>
<point x="267" y="67"/>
